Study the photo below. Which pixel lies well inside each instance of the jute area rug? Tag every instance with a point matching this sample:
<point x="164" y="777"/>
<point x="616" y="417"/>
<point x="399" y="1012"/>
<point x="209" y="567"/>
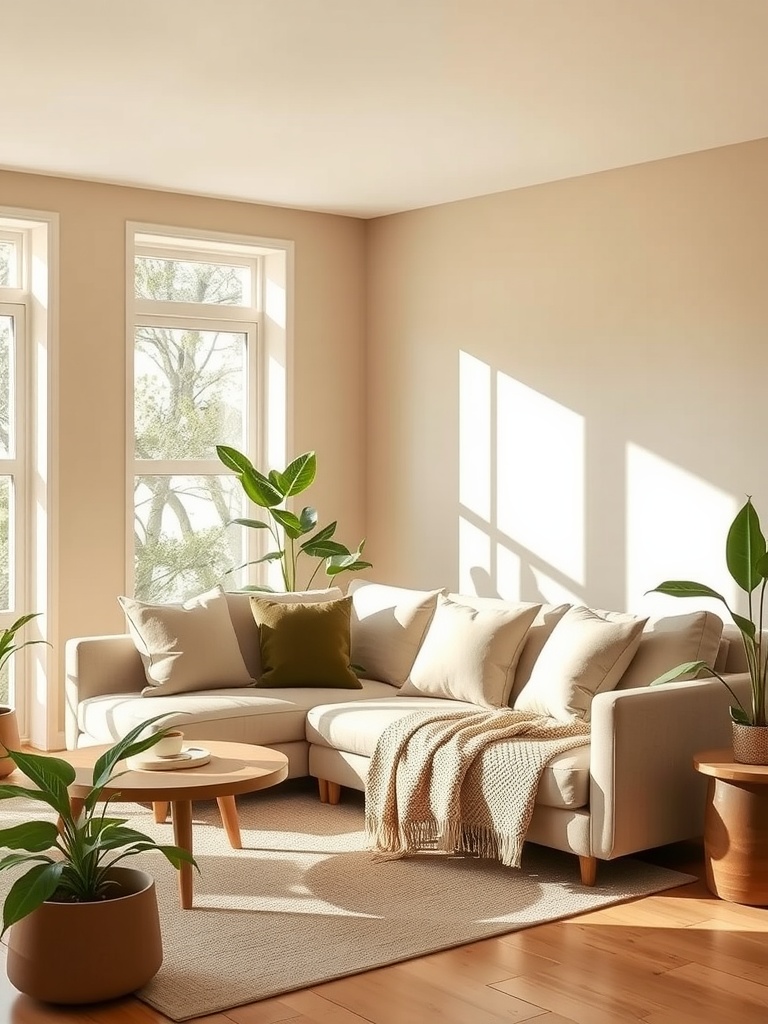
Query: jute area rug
<point x="305" y="902"/>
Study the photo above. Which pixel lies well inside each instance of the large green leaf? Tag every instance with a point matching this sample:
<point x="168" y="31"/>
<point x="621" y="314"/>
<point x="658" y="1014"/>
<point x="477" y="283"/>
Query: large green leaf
<point x="51" y="775"/>
<point x="252" y="524"/>
<point x="289" y="522"/>
<point x="30" y="891"/>
<point x="308" y="519"/>
<point x="259" y="489"/>
<point x="324" y="548"/>
<point x="334" y="568"/>
<point x="686" y="588"/>
<point x="744" y="547"/>
<point x="128" y="746"/>
<point x="34" y="836"/>
<point x="326" y="532"/>
<point x="299" y="474"/>
<point x="233" y="459"/>
<point x="8" y="791"/>
<point x="687" y="668"/>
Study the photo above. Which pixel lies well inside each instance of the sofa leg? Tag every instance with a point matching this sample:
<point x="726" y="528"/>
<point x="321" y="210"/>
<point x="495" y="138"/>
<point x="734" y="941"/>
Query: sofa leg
<point x="322" y="787"/>
<point x="588" y="869"/>
<point x="334" y="792"/>
<point x="160" y="811"/>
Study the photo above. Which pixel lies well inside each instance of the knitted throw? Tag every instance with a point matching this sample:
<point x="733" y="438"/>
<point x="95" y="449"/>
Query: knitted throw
<point x="461" y="781"/>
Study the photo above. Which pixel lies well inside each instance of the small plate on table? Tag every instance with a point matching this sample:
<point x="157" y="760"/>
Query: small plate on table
<point x="189" y="757"/>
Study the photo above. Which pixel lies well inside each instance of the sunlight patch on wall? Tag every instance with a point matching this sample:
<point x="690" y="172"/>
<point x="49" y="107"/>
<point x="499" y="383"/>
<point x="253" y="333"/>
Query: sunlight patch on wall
<point x="475" y="451"/>
<point x="474" y="559"/>
<point x="540" y="468"/>
<point x="676" y="525"/>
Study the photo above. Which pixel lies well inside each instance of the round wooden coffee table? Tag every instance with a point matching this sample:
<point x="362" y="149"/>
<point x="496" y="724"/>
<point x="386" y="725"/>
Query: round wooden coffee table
<point x="735" y="828"/>
<point x="234" y="769"/>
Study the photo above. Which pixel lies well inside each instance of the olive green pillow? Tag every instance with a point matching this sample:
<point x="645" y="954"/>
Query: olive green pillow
<point x="305" y="644"/>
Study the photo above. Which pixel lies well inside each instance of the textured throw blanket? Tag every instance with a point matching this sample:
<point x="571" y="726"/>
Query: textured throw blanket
<point x="461" y="781"/>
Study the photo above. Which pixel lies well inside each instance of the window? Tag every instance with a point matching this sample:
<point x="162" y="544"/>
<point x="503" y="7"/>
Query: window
<point x="195" y="372"/>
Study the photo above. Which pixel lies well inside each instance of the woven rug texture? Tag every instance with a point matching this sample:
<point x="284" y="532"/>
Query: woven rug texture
<point x="305" y="902"/>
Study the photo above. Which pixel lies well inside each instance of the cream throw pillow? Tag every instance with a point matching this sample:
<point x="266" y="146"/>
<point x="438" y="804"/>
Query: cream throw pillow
<point x="546" y="619"/>
<point x="186" y="647"/>
<point x="586" y="654"/>
<point x="470" y="653"/>
<point x="670" y="641"/>
<point x="388" y="626"/>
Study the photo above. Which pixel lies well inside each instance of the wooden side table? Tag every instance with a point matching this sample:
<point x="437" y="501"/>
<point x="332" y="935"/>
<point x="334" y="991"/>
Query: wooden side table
<point x="735" y="828"/>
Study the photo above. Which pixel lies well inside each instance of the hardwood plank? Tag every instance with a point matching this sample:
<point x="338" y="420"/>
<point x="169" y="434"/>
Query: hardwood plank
<point x="392" y="995"/>
<point x="550" y="997"/>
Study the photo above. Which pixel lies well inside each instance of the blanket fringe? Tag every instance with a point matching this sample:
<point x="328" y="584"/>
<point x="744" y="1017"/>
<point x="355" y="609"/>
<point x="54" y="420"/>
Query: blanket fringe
<point x="447" y="837"/>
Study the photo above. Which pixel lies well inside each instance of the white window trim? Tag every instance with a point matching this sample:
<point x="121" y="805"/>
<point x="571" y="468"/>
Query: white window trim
<point x="270" y="367"/>
<point x="40" y="703"/>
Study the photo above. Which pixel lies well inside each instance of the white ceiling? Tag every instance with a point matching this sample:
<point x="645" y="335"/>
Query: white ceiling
<point x="368" y="107"/>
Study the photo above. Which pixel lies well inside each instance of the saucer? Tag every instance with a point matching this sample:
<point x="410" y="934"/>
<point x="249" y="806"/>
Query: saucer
<point x="189" y="757"/>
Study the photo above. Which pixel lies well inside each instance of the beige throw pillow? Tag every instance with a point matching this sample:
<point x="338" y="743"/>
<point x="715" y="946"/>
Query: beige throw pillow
<point x="186" y="647"/>
<point x="470" y="654"/>
<point x="388" y="626"/>
<point x="670" y="641"/>
<point x="586" y="654"/>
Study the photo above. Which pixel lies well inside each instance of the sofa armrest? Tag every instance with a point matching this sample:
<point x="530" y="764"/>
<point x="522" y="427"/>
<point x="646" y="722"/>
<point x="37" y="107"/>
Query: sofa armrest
<point x="644" y="791"/>
<point x="97" y="665"/>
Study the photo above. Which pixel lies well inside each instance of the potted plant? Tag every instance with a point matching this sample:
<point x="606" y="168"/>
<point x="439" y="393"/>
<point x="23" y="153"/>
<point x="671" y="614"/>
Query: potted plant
<point x="9" y="728"/>
<point x="83" y="929"/>
<point x="287" y="529"/>
<point x="747" y="560"/>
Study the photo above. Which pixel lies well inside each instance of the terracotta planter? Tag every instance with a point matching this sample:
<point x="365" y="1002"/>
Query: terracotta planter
<point x="88" y="952"/>
<point x="9" y="737"/>
<point x="750" y="743"/>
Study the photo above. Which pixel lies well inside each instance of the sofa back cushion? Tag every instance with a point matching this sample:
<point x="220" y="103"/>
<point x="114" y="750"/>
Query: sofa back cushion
<point x="246" y="630"/>
<point x="470" y="654"/>
<point x="304" y="644"/>
<point x="387" y="628"/>
<point x="186" y="647"/>
<point x="586" y="654"/>
<point x="670" y="641"/>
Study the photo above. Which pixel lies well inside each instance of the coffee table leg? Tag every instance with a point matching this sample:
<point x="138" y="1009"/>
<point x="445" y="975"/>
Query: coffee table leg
<point x="181" y="815"/>
<point x="230" y="820"/>
<point x="160" y="811"/>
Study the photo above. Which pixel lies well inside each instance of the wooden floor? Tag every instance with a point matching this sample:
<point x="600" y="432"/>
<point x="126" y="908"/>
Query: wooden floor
<point x="681" y="957"/>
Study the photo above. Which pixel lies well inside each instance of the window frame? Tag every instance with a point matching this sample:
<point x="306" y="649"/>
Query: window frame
<point x="233" y="318"/>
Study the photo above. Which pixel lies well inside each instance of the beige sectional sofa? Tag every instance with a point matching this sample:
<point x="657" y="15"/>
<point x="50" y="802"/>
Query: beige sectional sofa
<point x="630" y="788"/>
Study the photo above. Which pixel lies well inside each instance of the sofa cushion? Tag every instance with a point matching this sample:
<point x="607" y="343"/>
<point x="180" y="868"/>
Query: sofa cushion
<point x="670" y="641"/>
<point x="247" y="631"/>
<point x="186" y="647"/>
<point x="249" y="716"/>
<point x="304" y="644"/>
<point x="355" y="729"/>
<point x="470" y="654"/>
<point x="586" y="654"/>
<point x="387" y="628"/>
<point x="539" y="632"/>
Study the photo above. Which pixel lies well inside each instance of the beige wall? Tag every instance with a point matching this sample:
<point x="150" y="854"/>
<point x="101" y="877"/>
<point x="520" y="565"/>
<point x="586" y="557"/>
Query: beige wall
<point x="328" y="347"/>
<point x="615" y="338"/>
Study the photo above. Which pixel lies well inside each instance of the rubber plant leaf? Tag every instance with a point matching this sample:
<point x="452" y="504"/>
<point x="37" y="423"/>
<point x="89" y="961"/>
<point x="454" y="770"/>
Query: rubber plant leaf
<point x="299" y="474"/>
<point x="744" y="547"/>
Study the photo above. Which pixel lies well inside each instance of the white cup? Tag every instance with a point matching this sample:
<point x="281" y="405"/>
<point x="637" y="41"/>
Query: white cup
<point x="169" y="745"/>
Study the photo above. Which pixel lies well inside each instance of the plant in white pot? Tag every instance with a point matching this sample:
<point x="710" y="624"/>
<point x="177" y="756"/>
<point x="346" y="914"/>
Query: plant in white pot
<point x="83" y="929"/>
<point x="294" y="536"/>
<point x="9" y="727"/>
<point x="747" y="561"/>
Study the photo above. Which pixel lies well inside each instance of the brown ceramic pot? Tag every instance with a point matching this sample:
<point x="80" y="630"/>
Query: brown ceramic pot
<point x="88" y="952"/>
<point x="9" y="738"/>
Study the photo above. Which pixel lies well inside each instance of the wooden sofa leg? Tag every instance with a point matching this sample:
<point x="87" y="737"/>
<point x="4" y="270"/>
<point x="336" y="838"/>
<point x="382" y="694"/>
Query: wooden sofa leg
<point x="160" y="811"/>
<point x="588" y="869"/>
<point x="322" y="787"/>
<point x="334" y="792"/>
